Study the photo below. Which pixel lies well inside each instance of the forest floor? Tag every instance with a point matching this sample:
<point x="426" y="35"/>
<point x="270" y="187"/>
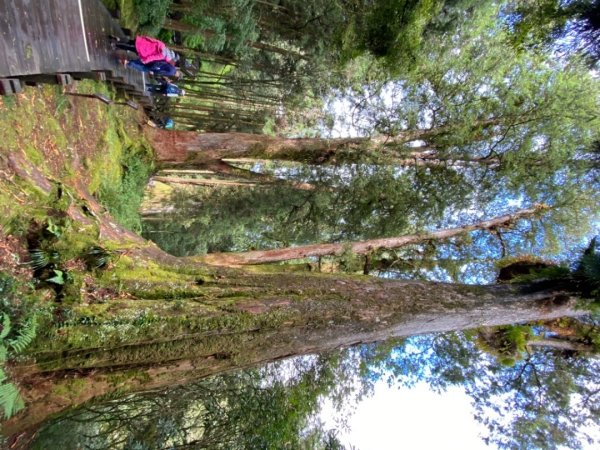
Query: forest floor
<point x="69" y="166"/>
<point x="56" y="148"/>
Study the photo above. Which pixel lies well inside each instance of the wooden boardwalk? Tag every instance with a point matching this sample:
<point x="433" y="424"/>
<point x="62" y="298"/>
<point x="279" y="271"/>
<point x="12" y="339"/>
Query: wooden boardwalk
<point x="47" y="37"/>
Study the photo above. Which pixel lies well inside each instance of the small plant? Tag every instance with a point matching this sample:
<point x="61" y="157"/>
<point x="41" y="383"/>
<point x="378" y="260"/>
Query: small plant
<point x="10" y="399"/>
<point x="96" y="258"/>
<point x="53" y="228"/>
<point x="58" y="278"/>
<point x="42" y="258"/>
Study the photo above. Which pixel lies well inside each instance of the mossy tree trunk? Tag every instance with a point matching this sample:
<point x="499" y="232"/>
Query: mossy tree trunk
<point x="226" y="319"/>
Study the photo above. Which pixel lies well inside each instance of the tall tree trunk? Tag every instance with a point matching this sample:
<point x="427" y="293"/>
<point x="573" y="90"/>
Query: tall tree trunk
<point x="187" y="147"/>
<point x="191" y="149"/>
<point x="362" y="247"/>
<point x="242" y="319"/>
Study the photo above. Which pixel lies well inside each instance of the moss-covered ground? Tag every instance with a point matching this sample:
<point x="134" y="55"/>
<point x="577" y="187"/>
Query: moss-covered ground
<point x="65" y="162"/>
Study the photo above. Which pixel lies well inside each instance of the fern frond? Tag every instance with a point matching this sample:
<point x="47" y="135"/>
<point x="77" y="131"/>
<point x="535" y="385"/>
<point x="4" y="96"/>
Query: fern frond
<point x="39" y="259"/>
<point x="5" y="326"/>
<point x="26" y="335"/>
<point x="10" y="400"/>
<point x="96" y="257"/>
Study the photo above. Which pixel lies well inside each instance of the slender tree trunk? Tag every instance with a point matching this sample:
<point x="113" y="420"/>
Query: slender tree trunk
<point x="203" y="182"/>
<point x="361" y="248"/>
<point x="176" y="25"/>
<point x="561" y="344"/>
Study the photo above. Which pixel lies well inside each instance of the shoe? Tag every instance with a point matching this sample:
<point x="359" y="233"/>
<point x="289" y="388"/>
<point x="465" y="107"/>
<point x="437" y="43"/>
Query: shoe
<point x="114" y="38"/>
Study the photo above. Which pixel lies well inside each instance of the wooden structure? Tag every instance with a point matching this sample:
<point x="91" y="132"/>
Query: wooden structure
<point x="60" y="40"/>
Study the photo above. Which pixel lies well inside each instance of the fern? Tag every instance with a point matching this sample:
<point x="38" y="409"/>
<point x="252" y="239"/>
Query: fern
<point x="10" y="399"/>
<point x="26" y="335"/>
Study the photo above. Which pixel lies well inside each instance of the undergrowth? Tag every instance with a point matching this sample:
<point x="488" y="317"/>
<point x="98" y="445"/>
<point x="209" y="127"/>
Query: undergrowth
<point x="13" y="341"/>
<point x="128" y="165"/>
<point x="151" y="13"/>
<point x="127" y="14"/>
<point x="124" y="197"/>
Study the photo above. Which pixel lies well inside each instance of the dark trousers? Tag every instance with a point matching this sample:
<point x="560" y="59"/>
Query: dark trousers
<point x="129" y="46"/>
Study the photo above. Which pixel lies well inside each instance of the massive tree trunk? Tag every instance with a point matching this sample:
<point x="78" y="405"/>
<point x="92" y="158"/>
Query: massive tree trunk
<point x="228" y="319"/>
<point x="362" y="247"/>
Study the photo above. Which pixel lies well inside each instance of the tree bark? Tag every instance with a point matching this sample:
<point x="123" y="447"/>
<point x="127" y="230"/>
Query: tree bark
<point x="190" y="148"/>
<point x="360" y="248"/>
<point x="260" y="318"/>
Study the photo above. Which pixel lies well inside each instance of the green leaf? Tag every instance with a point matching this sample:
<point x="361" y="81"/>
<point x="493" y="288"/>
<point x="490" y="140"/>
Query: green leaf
<point x="53" y="228"/>
<point x="58" y="278"/>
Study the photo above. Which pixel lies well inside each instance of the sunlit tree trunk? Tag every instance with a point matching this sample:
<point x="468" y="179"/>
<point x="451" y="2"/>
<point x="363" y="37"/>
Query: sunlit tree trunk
<point x="362" y="247"/>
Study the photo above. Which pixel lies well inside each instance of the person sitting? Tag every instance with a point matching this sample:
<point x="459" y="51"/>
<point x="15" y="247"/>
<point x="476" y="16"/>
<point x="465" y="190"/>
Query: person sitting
<point x="166" y="88"/>
<point x="155" y="68"/>
<point x="148" y="49"/>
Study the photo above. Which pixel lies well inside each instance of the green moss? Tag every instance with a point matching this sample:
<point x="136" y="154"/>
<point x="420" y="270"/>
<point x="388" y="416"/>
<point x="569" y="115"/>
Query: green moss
<point x="70" y="388"/>
<point x="127" y="377"/>
<point x="34" y="155"/>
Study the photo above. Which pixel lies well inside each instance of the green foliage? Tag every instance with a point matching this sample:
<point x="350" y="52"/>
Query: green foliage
<point x="589" y="266"/>
<point x="26" y="333"/>
<point x="10" y="399"/>
<point x="230" y="32"/>
<point x="249" y="409"/>
<point x="525" y="402"/>
<point x="57" y="278"/>
<point x="506" y="343"/>
<point x="587" y="273"/>
<point x="570" y="26"/>
<point x="151" y="13"/>
<point x="393" y="29"/>
<point x="123" y="197"/>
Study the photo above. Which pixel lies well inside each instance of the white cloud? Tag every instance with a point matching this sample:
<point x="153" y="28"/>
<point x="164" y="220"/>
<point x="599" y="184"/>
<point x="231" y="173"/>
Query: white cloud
<point x="414" y="419"/>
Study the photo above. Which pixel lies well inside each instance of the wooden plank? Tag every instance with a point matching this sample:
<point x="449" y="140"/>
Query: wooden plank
<point x="50" y="36"/>
<point x="9" y="38"/>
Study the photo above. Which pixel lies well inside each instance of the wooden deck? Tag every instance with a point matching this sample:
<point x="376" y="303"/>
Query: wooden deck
<point x="46" y="37"/>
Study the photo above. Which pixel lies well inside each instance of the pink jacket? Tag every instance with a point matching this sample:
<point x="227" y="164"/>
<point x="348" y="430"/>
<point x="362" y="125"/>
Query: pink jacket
<point x="150" y="49"/>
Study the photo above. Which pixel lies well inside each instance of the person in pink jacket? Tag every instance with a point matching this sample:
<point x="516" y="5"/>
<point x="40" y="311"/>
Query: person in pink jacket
<point x="148" y="49"/>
